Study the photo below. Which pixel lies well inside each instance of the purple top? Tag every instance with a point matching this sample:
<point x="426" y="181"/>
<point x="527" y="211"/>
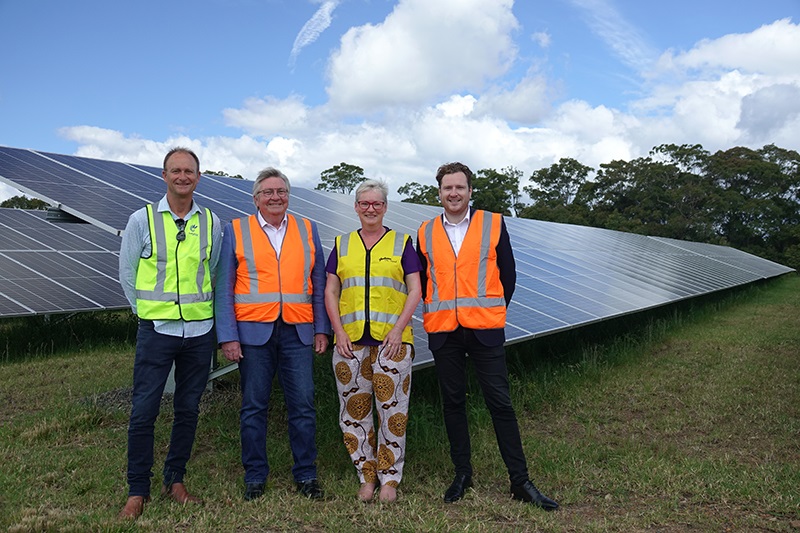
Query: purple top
<point x="410" y="263"/>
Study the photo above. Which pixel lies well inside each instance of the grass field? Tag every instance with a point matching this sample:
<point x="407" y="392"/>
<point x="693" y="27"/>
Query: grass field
<point x="685" y="421"/>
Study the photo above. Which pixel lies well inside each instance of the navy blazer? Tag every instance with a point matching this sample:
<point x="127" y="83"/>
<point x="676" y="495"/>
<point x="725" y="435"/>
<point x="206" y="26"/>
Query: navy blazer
<point x="508" y="278"/>
<point x="258" y="333"/>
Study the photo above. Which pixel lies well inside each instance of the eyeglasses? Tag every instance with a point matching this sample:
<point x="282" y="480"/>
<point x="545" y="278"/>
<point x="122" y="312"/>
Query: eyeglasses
<point x="377" y="206"/>
<point x="181" y="236"/>
<point x="272" y="192"/>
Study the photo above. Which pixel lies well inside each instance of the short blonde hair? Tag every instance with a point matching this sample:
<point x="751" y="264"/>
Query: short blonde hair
<point x="373" y="185"/>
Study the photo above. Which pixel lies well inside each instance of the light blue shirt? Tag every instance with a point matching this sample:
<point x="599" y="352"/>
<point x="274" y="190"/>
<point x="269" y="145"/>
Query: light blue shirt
<point x="136" y="245"/>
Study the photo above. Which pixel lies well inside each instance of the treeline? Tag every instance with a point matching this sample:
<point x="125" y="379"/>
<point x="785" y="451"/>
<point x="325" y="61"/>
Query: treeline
<point x="744" y="198"/>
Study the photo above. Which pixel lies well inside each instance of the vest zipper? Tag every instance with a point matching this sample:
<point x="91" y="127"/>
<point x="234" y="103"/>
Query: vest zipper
<point x="178" y="278"/>
<point x="366" y="292"/>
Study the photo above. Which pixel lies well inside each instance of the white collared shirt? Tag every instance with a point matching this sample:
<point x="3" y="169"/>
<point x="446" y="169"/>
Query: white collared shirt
<point x="456" y="232"/>
<point x="274" y="234"/>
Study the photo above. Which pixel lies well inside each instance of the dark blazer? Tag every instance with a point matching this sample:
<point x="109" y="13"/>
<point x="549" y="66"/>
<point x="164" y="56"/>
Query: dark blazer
<point x="508" y="278"/>
<point x="258" y="333"/>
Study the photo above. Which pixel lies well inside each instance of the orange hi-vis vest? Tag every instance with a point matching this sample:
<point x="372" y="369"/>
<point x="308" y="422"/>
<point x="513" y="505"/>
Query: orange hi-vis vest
<point x="268" y="287"/>
<point x="464" y="290"/>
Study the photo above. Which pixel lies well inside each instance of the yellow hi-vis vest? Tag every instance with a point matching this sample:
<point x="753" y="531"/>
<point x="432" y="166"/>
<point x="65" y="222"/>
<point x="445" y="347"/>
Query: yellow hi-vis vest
<point x="174" y="282"/>
<point x="464" y="290"/>
<point x="378" y="273"/>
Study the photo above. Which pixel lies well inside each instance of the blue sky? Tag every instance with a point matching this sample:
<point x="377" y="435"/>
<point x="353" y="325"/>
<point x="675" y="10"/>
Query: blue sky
<point x="396" y="87"/>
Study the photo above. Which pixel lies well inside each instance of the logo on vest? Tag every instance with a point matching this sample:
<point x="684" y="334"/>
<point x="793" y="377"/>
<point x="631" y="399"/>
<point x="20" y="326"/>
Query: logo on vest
<point x="193" y="230"/>
<point x="390" y="259"/>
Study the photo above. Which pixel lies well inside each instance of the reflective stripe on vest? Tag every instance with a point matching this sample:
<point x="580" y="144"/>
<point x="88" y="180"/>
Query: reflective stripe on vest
<point x="176" y="285"/>
<point x="377" y="272"/>
<point x="267" y="287"/>
<point x="466" y="289"/>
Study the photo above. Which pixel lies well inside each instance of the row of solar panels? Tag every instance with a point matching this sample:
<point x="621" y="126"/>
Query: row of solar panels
<point x="56" y="268"/>
<point x="567" y="276"/>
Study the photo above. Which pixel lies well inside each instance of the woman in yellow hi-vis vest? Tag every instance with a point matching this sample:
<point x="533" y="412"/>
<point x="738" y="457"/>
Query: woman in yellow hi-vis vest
<point x="372" y="290"/>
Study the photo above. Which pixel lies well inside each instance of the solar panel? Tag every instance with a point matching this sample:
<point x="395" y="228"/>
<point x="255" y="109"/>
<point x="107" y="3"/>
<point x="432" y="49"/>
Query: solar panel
<point x="567" y="275"/>
<point x="50" y="268"/>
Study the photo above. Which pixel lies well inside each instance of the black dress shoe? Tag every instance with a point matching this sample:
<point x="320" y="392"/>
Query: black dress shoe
<point x="253" y="491"/>
<point x="457" y="488"/>
<point x="310" y="489"/>
<point x="527" y="492"/>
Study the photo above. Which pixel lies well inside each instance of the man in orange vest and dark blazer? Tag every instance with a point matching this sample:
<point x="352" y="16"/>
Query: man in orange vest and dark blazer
<point x="271" y="310"/>
<point x="468" y="278"/>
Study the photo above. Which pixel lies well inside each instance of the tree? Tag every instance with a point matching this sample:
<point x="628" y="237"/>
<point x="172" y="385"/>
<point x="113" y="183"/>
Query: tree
<point x="23" y="202"/>
<point x="420" y="194"/>
<point x="513" y="176"/>
<point x="220" y="173"/>
<point x="496" y="191"/>
<point x="557" y="185"/>
<point x="669" y="197"/>
<point x="341" y="178"/>
<point x="687" y="198"/>
<point x="609" y="199"/>
<point x="554" y="191"/>
<point x="760" y="211"/>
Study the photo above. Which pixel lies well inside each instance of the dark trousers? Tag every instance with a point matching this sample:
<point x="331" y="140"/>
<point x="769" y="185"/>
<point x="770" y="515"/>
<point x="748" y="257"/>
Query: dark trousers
<point x="489" y="363"/>
<point x="155" y="354"/>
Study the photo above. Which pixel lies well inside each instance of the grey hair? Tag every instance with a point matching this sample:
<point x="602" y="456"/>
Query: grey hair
<point x="271" y="172"/>
<point x="373" y="185"/>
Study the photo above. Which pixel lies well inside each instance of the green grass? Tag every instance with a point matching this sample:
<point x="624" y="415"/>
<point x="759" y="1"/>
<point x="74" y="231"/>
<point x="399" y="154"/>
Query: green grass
<point x="686" y="419"/>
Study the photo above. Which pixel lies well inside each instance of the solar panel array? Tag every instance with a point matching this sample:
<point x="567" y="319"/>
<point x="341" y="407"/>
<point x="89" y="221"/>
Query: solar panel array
<point x="567" y="276"/>
<point x="50" y="268"/>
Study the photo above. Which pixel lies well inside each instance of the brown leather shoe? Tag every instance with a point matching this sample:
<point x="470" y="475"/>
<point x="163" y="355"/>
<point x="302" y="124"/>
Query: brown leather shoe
<point x="177" y="492"/>
<point x="134" y="507"/>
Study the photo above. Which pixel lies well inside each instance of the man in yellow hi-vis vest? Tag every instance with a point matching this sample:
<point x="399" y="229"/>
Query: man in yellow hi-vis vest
<point x="167" y="262"/>
<point x="468" y="277"/>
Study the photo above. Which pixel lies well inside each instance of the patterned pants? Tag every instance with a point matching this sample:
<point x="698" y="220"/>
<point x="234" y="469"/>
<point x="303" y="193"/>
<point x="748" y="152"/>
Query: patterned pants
<point x="377" y="458"/>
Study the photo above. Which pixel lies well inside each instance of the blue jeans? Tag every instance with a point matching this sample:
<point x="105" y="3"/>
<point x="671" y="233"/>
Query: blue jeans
<point x="294" y="363"/>
<point x="155" y="354"/>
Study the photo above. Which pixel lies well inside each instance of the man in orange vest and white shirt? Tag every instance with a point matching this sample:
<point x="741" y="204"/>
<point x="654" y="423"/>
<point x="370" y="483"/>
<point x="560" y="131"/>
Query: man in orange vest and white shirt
<point x="468" y="276"/>
<point x="271" y="310"/>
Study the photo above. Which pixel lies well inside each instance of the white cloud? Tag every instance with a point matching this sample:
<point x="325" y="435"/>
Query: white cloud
<point x="102" y="143"/>
<point x="541" y="38"/>
<point x="457" y="106"/>
<point x="312" y="29"/>
<point x="740" y="89"/>
<point x="269" y="116"/>
<point x="767" y="111"/>
<point x="527" y="103"/>
<point x="624" y="39"/>
<point x="772" y="50"/>
<point x="423" y="50"/>
<point x="243" y="155"/>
